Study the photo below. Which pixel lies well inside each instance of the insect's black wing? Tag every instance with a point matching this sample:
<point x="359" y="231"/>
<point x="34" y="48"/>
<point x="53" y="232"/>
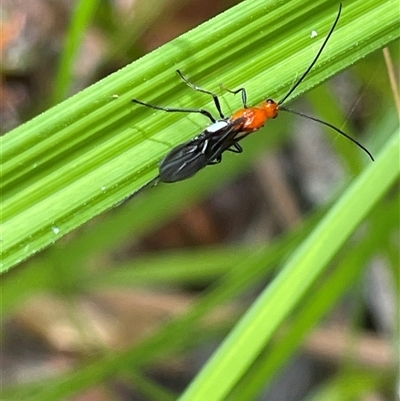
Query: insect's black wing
<point x="187" y="159"/>
<point x="184" y="161"/>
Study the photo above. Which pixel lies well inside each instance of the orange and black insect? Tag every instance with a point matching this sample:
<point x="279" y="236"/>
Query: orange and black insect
<point x="225" y="133"/>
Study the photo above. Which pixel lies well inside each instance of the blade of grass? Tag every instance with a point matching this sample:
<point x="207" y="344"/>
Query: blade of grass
<point x="88" y="153"/>
<point x="353" y="385"/>
<point x="80" y="20"/>
<point x="318" y="304"/>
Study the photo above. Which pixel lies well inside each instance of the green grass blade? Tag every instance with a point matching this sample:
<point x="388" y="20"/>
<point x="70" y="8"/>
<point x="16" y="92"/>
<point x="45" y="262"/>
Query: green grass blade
<point x="352" y="385"/>
<point x="325" y="296"/>
<point x="253" y="331"/>
<point x="80" y="21"/>
<point x="88" y="153"/>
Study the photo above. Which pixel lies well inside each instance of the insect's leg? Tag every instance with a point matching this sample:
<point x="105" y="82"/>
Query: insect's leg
<point x="244" y="94"/>
<point x="196" y="88"/>
<point x="236" y="148"/>
<point x="217" y="160"/>
<point x="178" y="110"/>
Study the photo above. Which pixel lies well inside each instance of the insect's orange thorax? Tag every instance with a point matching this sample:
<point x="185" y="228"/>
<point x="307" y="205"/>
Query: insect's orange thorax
<point x="255" y="117"/>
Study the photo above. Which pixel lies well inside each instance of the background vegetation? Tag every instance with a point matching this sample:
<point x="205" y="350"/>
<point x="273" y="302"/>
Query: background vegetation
<point x="256" y="251"/>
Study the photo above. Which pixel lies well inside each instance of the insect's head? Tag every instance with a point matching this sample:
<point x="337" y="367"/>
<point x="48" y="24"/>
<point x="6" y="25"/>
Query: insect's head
<point x="271" y="107"/>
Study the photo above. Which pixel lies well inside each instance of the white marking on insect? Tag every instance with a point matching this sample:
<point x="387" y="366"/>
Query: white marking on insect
<point x="204" y="148"/>
<point x="218" y="125"/>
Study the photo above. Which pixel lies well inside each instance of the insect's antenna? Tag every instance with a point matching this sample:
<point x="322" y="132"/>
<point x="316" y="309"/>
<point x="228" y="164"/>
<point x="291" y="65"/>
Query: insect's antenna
<point x="333" y="127"/>
<point x="300" y="80"/>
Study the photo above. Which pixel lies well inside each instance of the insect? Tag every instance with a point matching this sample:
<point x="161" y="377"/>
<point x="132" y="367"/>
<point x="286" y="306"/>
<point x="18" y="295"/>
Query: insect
<point x="224" y="133"/>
